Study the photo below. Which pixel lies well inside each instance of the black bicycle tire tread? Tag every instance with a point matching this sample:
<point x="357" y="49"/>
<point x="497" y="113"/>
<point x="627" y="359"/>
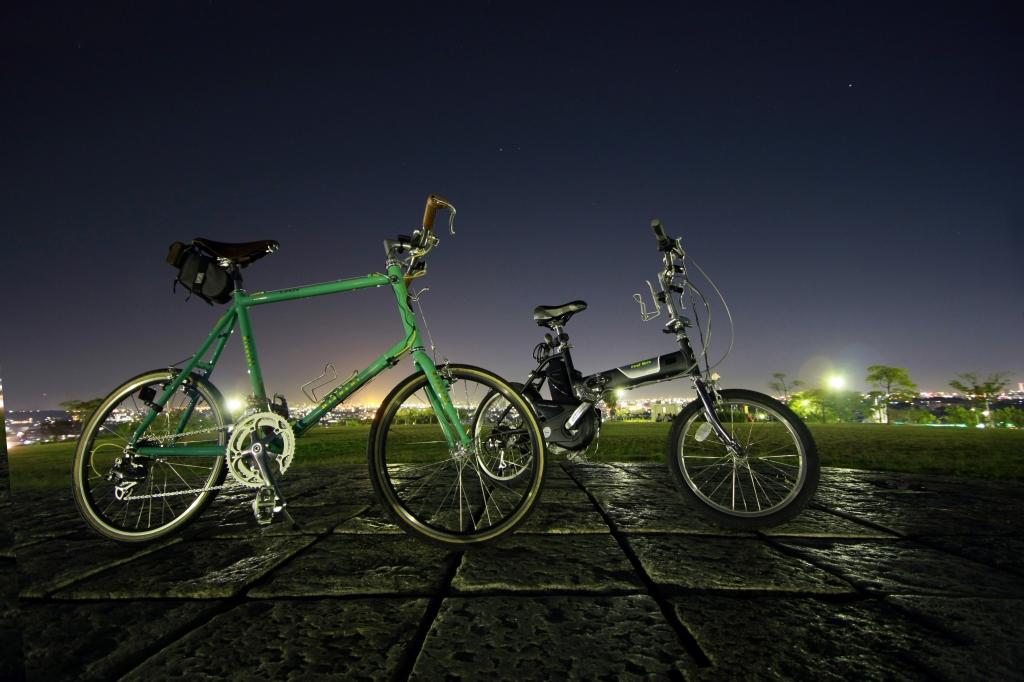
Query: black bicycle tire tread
<point x="453" y="545"/>
<point x="726" y="521"/>
<point x="77" y="464"/>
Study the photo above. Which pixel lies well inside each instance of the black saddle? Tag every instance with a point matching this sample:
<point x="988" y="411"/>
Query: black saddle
<point x="244" y="254"/>
<point x="557" y="315"/>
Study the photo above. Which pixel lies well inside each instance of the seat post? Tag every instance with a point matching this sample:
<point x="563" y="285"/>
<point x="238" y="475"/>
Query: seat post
<point x="563" y="342"/>
<point x="236" y="275"/>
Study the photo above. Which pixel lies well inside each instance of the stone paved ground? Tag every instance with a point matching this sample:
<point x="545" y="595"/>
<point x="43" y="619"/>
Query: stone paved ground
<point x="613" y="578"/>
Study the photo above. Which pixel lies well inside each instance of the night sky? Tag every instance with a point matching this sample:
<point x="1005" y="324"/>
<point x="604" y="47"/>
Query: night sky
<point x="845" y="172"/>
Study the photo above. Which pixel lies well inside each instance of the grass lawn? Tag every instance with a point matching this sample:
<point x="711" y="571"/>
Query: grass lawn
<point x="983" y="453"/>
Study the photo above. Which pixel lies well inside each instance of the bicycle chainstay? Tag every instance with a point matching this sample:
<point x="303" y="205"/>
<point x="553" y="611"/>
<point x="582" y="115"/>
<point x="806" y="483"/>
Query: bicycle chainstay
<point x="190" y="491"/>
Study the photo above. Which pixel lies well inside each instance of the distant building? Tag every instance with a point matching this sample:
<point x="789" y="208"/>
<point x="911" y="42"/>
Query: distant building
<point x="665" y="413"/>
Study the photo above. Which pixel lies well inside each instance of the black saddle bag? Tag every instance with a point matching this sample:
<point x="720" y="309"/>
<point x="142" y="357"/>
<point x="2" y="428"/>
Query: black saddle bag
<point x="200" y="274"/>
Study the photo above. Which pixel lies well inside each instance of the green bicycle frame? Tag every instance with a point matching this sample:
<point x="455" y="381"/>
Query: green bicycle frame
<point x="437" y="391"/>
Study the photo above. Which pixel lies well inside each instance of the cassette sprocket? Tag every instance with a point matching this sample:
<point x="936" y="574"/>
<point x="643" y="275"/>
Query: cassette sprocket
<point x="255" y="427"/>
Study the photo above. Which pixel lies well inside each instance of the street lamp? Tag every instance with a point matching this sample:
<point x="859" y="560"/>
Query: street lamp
<point x="836" y="382"/>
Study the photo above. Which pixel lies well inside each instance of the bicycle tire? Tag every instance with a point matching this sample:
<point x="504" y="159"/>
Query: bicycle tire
<point x="770" y="482"/>
<point x="105" y="437"/>
<point x="437" y="493"/>
<point x="489" y="456"/>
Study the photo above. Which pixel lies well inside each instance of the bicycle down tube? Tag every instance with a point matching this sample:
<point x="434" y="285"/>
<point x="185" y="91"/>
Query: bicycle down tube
<point x="451" y="425"/>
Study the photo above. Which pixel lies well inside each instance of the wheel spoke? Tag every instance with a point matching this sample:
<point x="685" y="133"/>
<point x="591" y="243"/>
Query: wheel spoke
<point x="772" y="458"/>
<point x="429" y="483"/>
<point x="149" y="508"/>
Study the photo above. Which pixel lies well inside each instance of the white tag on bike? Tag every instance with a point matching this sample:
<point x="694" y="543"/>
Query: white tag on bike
<point x="703" y="432"/>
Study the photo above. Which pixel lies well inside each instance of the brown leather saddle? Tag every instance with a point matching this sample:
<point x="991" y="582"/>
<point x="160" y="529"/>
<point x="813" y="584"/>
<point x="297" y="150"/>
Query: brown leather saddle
<point x="244" y="254"/>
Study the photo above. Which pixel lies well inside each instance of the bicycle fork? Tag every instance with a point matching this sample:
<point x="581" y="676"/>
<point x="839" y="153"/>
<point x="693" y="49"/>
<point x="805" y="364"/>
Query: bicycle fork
<point x="716" y="424"/>
<point x="440" y="400"/>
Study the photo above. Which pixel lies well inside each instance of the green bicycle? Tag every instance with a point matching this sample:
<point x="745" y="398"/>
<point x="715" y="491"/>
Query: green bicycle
<point x="160" y="446"/>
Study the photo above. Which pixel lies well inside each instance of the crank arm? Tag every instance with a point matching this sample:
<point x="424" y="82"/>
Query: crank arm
<point x="259" y="454"/>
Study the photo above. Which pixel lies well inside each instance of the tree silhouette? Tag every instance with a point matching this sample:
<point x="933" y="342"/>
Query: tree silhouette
<point x="981" y="392"/>
<point x="781" y="387"/>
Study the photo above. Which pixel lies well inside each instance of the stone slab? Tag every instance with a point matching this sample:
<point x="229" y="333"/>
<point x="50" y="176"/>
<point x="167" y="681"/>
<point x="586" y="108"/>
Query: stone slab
<point x="974" y="663"/>
<point x="861" y="502"/>
<point x="29" y="529"/>
<point x="814" y="523"/>
<point x="1002" y="517"/>
<point x="200" y="569"/>
<point x="1001" y="491"/>
<point x="730" y="566"/>
<point x="1002" y="552"/>
<point x="49" y="566"/>
<point x="547" y="563"/>
<point x="12" y="662"/>
<point x="373" y="521"/>
<point x="566" y="495"/>
<point x="228" y="507"/>
<point x="991" y="628"/>
<point x="316" y="520"/>
<point x="662" y="517"/>
<point x="906" y="568"/>
<point x="802" y="639"/>
<point x="645" y="493"/>
<point x="6" y="533"/>
<point x="548" y="517"/>
<point x="342" y="492"/>
<point x="592" y="474"/>
<point x="653" y="471"/>
<point x="361" y="565"/>
<point x="359" y="639"/>
<point x="912" y="521"/>
<point x="971" y="620"/>
<point x="555" y="477"/>
<point x="103" y="640"/>
<point x="551" y="638"/>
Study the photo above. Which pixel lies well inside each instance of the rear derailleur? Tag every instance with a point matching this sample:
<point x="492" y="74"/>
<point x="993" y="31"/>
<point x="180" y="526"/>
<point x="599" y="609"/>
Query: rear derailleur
<point x="127" y="472"/>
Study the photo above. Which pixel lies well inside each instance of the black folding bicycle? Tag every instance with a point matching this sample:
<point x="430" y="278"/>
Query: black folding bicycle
<point x="741" y="458"/>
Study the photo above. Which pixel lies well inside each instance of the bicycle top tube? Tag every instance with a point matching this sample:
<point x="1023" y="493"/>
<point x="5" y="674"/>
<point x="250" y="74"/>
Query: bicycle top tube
<point x="398" y="276"/>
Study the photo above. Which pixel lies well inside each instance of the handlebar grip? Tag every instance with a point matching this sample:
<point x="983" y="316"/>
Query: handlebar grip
<point x="664" y="242"/>
<point x="434" y="202"/>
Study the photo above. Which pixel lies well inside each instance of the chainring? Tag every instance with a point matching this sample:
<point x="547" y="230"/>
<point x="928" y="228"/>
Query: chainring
<point x="241" y="463"/>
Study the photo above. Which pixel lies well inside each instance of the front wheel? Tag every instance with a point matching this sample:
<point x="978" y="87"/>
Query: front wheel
<point x="126" y="497"/>
<point x="435" y="487"/>
<point x="766" y="480"/>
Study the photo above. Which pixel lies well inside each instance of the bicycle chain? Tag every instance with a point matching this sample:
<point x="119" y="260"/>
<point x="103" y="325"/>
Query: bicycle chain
<point x="188" y="433"/>
<point x="192" y="491"/>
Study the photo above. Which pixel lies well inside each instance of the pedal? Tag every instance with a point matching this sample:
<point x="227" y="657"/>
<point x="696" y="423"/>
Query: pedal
<point x="264" y="505"/>
<point x="269" y="499"/>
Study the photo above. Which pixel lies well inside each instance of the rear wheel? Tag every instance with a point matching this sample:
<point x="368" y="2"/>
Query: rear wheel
<point x="130" y="498"/>
<point x="493" y="417"/>
<point x="440" y="492"/>
<point x="768" y="480"/>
